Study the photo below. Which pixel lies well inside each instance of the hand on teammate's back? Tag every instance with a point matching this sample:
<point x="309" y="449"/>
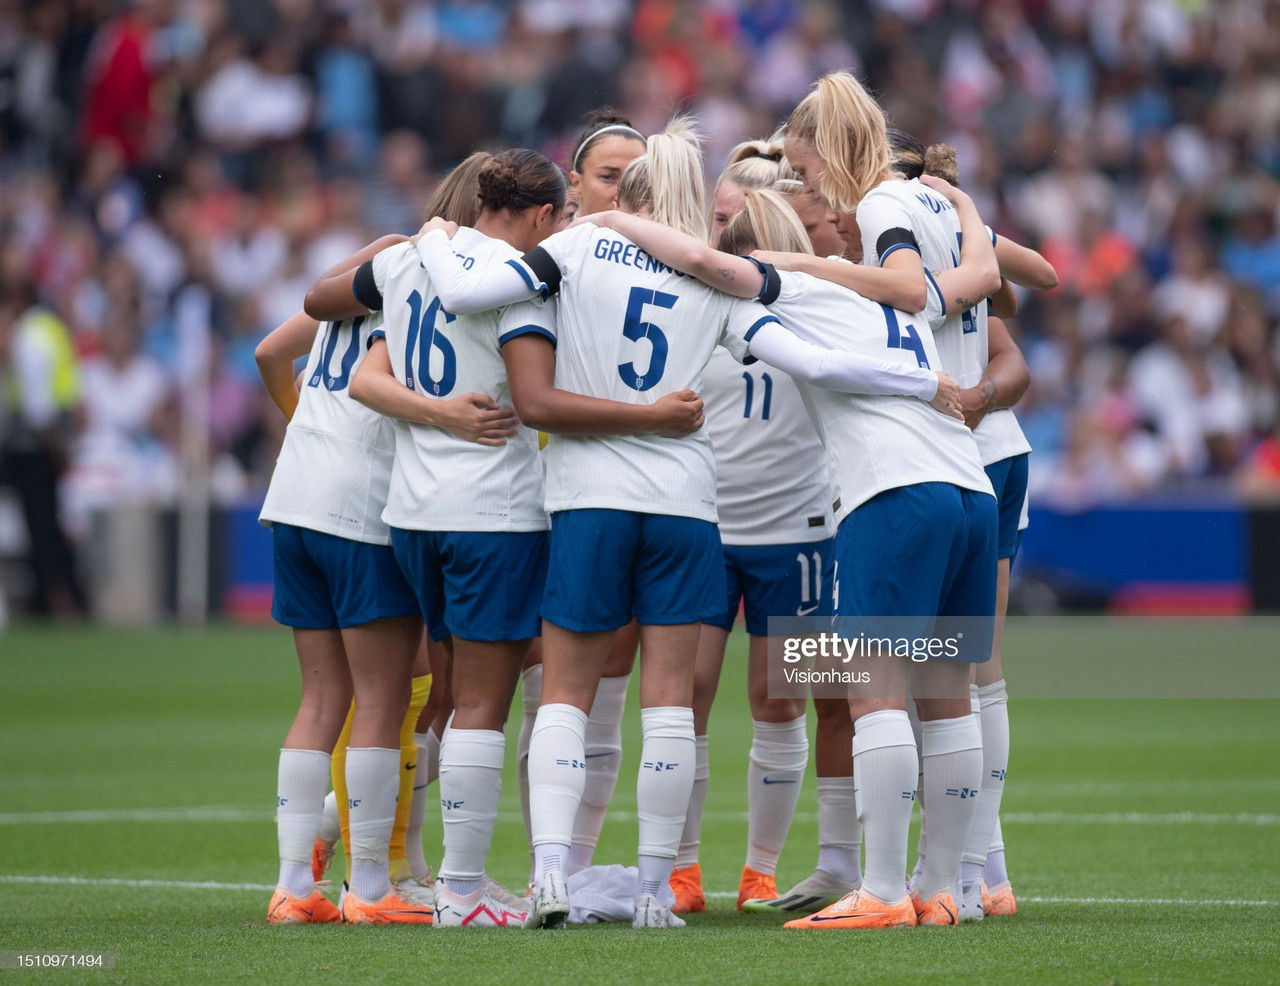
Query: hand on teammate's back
<point x="477" y="418"/>
<point x="435" y="222"/>
<point x="679" y="414"/>
<point x="947" y="399"/>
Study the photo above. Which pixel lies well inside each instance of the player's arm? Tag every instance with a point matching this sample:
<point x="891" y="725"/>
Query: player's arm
<point x="480" y="289"/>
<point x="1004" y="381"/>
<point x="531" y="371"/>
<point x="275" y="356"/>
<point x="1024" y="266"/>
<point x="978" y="274"/>
<point x="850" y="373"/>
<point x="893" y="284"/>
<point x="1004" y="303"/>
<point x="735" y="276"/>
<point x="334" y="295"/>
<point x="473" y="417"/>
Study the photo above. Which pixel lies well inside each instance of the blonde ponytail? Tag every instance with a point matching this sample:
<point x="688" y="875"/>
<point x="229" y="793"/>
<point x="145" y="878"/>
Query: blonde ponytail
<point x="847" y="129"/>
<point x="767" y="223"/>
<point x="666" y="181"/>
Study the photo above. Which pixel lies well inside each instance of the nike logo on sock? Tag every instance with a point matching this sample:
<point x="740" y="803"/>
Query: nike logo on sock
<point x="592" y="756"/>
<point x="410" y="766"/>
<point x="769" y="780"/>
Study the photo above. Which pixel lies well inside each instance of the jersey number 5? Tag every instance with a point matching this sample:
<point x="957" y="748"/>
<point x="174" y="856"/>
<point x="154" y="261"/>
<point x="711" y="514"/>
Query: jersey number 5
<point x="635" y="329"/>
<point x="422" y="338"/>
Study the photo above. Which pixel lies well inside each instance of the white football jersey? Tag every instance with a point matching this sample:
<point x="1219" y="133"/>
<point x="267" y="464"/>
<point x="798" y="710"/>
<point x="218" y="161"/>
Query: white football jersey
<point x="335" y="464"/>
<point x="441" y="482"/>
<point x="633" y="330"/>
<point x="961" y="337"/>
<point x="876" y="443"/>
<point x="772" y="481"/>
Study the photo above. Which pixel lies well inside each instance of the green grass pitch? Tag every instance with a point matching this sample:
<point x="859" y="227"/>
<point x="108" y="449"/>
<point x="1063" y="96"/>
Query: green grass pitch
<point x="1142" y="839"/>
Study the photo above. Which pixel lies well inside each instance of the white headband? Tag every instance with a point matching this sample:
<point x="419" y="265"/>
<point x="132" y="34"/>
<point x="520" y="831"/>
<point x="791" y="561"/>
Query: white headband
<point x="612" y="128"/>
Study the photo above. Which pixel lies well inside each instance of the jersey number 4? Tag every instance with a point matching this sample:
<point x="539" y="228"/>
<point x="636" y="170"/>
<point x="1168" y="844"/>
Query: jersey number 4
<point x="435" y="374"/>
<point x="636" y="328"/>
<point x="904" y="336"/>
<point x="323" y="373"/>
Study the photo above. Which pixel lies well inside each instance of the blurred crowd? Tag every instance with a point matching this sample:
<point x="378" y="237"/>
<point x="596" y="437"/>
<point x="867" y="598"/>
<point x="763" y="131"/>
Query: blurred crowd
<point x="174" y="173"/>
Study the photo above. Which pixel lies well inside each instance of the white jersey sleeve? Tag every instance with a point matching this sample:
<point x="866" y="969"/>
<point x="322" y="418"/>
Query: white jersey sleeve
<point x="886" y="225"/>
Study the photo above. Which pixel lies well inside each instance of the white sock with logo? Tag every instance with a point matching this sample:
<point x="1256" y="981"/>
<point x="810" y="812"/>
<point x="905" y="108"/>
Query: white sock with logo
<point x="952" y="755"/>
<point x="603" y="744"/>
<point x="302" y="778"/>
<point x="779" y="754"/>
<point x="373" y="781"/>
<point x="557" y="773"/>
<point x="995" y="763"/>
<point x="691" y="836"/>
<point x="667" y="764"/>
<point x="530" y="699"/>
<point x="422" y="776"/>
<point x="839" y="831"/>
<point x="470" y="787"/>
<point x="884" y="766"/>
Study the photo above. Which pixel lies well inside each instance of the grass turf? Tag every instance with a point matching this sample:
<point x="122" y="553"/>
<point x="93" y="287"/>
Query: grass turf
<point x="1163" y="801"/>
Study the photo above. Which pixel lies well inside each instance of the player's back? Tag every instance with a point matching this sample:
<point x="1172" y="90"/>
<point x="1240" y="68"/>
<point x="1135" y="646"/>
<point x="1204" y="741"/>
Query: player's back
<point x="876" y="443"/>
<point x="631" y="329"/>
<point x="960" y="335"/>
<point x="334" y="468"/>
<point x="442" y="482"/>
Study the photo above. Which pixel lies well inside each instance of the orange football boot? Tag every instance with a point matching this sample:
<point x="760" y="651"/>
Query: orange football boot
<point x="998" y="901"/>
<point x="687" y="884"/>
<point x="940" y="909"/>
<point x="753" y="884"/>
<point x="321" y="855"/>
<point x="859" y="909"/>
<point x="392" y="909"/>
<point x="285" y="908"/>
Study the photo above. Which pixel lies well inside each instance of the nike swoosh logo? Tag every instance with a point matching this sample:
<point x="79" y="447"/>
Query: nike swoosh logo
<point x="410" y="766"/>
<point x="802" y="611"/>
<point x="815" y="918"/>
<point x="422" y="787"/>
<point x="309" y="914"/>
<point x="592" y="756"/>
<point x="769" y="780"/>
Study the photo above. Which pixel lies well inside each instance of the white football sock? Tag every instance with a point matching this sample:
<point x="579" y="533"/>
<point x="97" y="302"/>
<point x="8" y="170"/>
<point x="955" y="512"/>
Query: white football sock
<point x="418" y="807"/>
<point x="952" y="754"/>
<point x="691" y="837"/>
<point x="995" y="763"/>
<point x="373" y="781"/>
<point x="994" y="873"/>
<point x="884" y="765"/>
<point x="603" y="744"/>
<point x="922" y="839"/>
<point x="470" y="786"/>
<point x="654" y="873"/>
<point x="779" y="753"/>
<point x="330" y="827"/>
<point x="667" y="763"/>
<point x="302" y="778"/>
<point x="839" y="831"/>
<point x="557" y="772"/>
<point x="431" y="744"/>
<point x="530" y="699"/>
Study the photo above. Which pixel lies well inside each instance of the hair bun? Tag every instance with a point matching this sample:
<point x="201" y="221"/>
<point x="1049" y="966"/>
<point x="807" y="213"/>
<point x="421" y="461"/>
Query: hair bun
<point x="498" y="181"/>
<point x="941" y="161"/>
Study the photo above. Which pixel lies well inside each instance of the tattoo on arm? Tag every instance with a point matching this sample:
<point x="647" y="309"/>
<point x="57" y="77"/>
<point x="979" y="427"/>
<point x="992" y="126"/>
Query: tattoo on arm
<point x="988" y="390"/>
<point x="964" y="304"/>
<point x="725" y="272"/>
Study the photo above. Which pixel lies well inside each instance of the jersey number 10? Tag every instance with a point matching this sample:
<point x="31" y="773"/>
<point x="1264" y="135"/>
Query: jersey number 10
<point x="323" y="374"/>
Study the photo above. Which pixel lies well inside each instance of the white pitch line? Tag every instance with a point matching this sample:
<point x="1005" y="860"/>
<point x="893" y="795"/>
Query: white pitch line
<point x="715" y="894"/>
<point x="233" y="814"/>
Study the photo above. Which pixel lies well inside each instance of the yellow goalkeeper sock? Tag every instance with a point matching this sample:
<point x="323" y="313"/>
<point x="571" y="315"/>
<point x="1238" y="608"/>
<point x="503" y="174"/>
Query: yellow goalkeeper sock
<point x="339" y="771"/>
<point x="398" y="857"/>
